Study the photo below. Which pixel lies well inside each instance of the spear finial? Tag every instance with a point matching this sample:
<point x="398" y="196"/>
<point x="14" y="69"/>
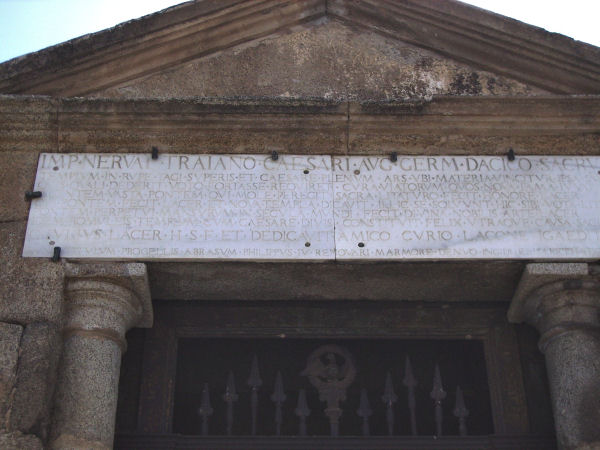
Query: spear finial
<point x="409" y="379"/>
<point x="278" y="397"/>
<point x="410" y="382"/>
<point x="364" y="411"/>
<point x="254" y="382"/>
<point x="230" y="396"/>
<point x="438" y="394"/>
<point x="205" y="409"/>
<point x="389" y="398"/>
<point x="461" y="411"/>
<point x="302" y="411"/>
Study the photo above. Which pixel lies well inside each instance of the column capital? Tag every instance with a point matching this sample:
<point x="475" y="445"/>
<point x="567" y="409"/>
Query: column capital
<point x="105" y="300"/>
<point x="556" y="298"/>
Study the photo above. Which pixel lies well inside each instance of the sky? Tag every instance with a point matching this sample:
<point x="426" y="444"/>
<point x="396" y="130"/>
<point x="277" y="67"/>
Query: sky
<point x="30" y="25"/>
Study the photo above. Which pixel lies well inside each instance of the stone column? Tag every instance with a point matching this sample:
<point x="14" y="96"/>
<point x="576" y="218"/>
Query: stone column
<point x="102" y="302"/>
<point x="563" y="302"/>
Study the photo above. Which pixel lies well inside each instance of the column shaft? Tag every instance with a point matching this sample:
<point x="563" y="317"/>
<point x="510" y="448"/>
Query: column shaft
<point x="86" y="400"/>
<point x="562" y="301"/>
<point x="102" y="302"/>
<point x="573" y="365"/>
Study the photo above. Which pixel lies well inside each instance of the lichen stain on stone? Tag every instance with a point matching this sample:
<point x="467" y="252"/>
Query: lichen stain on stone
<point x="325" y="59"/>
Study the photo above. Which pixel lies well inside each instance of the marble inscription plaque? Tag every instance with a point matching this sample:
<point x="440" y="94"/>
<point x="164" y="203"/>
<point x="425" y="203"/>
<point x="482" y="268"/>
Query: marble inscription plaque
<point x="129" y="206"/>
<point x="249" y="207"/>
<point x="467" y="208"/>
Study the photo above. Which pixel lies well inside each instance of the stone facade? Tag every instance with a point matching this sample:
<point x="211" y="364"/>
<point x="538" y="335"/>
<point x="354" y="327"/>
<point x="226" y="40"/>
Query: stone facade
<point x="335" y="77"/>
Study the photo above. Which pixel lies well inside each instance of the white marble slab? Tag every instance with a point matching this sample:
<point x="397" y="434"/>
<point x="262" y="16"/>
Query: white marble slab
<point x="249" y="207"/>
<point x="223" y="207"/>
<point x="421" y="208"/>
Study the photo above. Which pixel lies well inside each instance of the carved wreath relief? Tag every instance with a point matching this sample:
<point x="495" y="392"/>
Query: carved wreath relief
<point x="331" y="370"/>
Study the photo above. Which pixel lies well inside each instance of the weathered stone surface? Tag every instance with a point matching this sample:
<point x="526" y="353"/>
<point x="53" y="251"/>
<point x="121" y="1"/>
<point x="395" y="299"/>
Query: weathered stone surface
<point x="99" y="311"/>
<point x="92" y="278"/>
<point x="86" y="398"/>
<point x="562" y="301"/>
<point x="27" y="123"/>
<point x="535" y="276"/>
<point x="203" y="126"/>
<point x="451" y="125"/>
<point x="326" y="59"/>
<point x="200" y="29"/>
<point x="27" y="126"/>
<point x="18" y="176"/>
<point x="31" y="290"/>
<point x="40" y="352"/>
<point x="20" y="441"/>
<point x="406" y="281"/>
<point x="574" y="376"/>
<point x="459" y="125"/>
<point x="10" y="338"/>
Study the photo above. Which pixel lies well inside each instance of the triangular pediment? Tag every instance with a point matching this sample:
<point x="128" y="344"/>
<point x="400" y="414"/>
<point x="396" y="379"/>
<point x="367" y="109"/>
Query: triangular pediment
<point x="356" y="49"/>
<point x="326" y="59"/>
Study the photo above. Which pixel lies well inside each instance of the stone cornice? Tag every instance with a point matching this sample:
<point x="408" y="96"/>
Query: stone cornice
<point x="483" y="39"/>
<point x="150" y="44"/>
<point x="195" y="29"/>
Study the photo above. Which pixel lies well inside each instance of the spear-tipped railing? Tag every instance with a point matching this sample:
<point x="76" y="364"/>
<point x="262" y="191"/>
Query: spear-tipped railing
<point x="205" y="410"/>
<point x="410" y="382"/>
<point x="278" y="397"/>
<point x="389" y="397"/>
<point x="438" y="394"/>
<point x="461" y="412"/>
<point x="255" y="382"/>
<point x="364" y="411"/>
<point x="332" y="371"/>
<point x="230" y="396"/>
<point x="302" y="411"/>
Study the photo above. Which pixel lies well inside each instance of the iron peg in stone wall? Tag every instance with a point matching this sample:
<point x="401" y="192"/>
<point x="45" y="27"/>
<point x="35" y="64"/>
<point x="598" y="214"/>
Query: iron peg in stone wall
<point x="30" y="195"/>
<point x="511" y="154"/>
<point x="154" y="152"/>
<point x="56" y="254"/>
<point x="394" y="157"/>
<point x="274" y="155"/>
